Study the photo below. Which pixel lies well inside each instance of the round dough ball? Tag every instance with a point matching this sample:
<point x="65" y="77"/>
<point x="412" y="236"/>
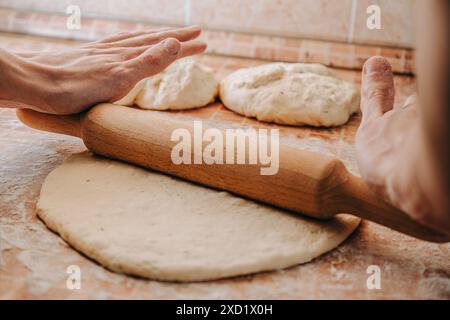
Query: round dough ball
<point x="185" y="84"/>
<point x="148" y="224"/>
<point x="290" y="93"/>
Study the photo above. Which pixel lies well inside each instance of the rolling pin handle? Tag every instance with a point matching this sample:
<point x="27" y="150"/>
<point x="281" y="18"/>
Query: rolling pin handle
<point x="355" y="197"/>
<point x="67" y="124"/>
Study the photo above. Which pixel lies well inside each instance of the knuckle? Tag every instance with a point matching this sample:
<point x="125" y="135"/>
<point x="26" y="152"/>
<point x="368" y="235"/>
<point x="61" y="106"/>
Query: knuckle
<point x="377" y="92"/>
<point x="120" y="72"/>
<point x="378" y="96"/>
<point x="152" y="60"/>
<point x="120" y="76"/>
<point x="121" y="80"/>
<point x="124" y="55"/>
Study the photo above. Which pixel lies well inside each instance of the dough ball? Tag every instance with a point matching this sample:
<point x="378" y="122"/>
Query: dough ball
<point x="290" y="93"/>
<point x="148" y="224"/>
<point x="128" y="100"/>
<point x="185" y="84"/>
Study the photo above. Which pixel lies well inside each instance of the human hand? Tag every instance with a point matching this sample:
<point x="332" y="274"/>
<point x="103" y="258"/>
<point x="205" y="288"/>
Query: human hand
<point x="388" y="145"/>
<point x="71" y="80"/>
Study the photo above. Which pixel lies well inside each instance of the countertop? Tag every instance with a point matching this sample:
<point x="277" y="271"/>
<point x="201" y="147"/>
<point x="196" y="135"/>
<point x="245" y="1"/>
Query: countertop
<point x="34" y="260"/>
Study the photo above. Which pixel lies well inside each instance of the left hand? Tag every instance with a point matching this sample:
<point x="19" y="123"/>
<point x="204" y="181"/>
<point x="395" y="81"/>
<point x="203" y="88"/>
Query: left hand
<point x="71" y="80"/>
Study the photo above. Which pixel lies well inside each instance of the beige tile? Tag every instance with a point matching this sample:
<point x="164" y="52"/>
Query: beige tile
<point x="167" y="11"/>
<point x="288" y="55"/>
<point x="246" y="38"/>
<point x="392" y="53"/>
<point x="322" y="19"/>
<point x="241" y="50"/>
<point x="314" y="19"/>
<point x="396" y="23"/>
<point x="267" y="53"/>
<point x="6" y="19"/>
<point x="42" y="5"/>
<point x="292" y="43"/>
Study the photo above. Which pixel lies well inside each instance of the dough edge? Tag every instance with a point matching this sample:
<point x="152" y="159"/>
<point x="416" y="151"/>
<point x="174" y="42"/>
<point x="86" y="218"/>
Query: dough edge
<point x="235" y="98"/>
<point x="182" y="274"/>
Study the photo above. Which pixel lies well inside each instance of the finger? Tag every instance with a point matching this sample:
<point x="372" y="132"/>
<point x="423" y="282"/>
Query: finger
<point x="154" y="59"/>
<point x="377" y="88"/>
<point x="191" y="48"/>
<point x="187" y="49"/>
<point x="183" y="34"/>
<point x="126" y="35"/>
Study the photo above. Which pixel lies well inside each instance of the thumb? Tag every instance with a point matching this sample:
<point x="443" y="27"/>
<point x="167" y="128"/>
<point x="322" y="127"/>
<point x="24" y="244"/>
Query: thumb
<point x="377" y="88"/>
<point x="155" y="59"/>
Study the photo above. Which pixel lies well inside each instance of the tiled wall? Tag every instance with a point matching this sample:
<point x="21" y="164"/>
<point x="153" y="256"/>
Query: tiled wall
<point x="397" y="23"/>
<point x="331" y="32"/>
<point x="335" y="20"/>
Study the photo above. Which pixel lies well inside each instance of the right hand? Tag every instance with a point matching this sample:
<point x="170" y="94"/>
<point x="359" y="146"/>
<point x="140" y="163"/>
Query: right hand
<point x="389" y="147"/>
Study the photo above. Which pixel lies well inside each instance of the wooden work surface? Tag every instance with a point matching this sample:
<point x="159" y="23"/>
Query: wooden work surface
<point x="34" y="260"/>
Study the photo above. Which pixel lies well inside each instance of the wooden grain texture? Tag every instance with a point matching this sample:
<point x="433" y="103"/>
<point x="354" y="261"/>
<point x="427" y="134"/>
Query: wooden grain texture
<point x="305" y="182"/>
<point x="34" y="260"/>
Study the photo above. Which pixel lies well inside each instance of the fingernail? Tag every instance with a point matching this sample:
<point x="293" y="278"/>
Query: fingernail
<point x="376" y="65"/>
<point x="172" y="46"/>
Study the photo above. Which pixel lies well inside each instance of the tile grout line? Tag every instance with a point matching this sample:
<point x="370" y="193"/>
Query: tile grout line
<point x="320" y="51"/>
<point x="352" y="22"/>
<point x="403" y="61"/>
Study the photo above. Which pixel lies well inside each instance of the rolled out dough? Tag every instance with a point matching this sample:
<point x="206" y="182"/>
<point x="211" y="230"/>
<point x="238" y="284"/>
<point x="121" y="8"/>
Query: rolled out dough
<point x="185" y="84"/>
<point x="290" y="93"/>
<point x="148" y="224"/>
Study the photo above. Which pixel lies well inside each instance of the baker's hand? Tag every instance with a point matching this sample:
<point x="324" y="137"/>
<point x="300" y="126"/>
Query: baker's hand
<point x="388" y="146"/>
<point x="71" y="80"/>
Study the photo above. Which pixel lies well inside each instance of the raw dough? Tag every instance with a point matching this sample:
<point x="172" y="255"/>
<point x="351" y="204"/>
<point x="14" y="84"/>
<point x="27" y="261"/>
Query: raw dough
<point x="290" y="93"/>
<point x="185" y="84"/>
<point x="148" y="224"/>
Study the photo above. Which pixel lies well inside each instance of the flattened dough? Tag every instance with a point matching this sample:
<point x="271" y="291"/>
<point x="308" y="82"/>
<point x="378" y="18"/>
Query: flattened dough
<point x="290" y="93"/>
<point x="185" y="84"/>
<point x="148" y="224"/>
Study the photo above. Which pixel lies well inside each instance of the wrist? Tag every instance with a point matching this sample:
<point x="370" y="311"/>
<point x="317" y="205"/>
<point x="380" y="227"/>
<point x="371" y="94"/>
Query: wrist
<point x="4" y="76"/>
<point x="9" y="75"/>
<point x="18" y="82"/>
<point x="410" y="186"/>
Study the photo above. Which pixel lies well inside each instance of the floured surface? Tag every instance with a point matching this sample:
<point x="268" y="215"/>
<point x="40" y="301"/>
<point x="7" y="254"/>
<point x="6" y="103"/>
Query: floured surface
<point x="34" y="260"/>
<point x="290" y="93"/>
<point x="148" y="224"/>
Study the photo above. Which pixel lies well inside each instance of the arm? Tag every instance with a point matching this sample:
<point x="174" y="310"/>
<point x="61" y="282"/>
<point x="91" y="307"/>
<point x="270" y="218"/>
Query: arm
<point x="433" y="68"/>
<point x="71" y="80"/>
<point x="10" y="73"/>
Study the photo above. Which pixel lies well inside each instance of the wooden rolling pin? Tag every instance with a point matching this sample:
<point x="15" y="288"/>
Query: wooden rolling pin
<point x="306" y="182"/>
